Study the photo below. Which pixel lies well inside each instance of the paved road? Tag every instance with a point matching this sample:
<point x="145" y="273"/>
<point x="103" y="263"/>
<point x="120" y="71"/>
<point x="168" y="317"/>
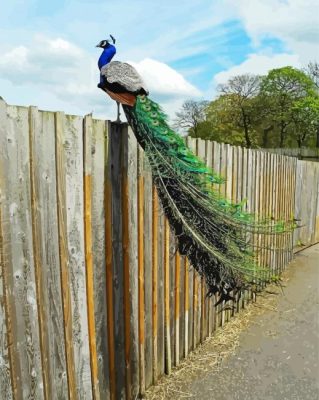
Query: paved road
<point x="278" y="355"/>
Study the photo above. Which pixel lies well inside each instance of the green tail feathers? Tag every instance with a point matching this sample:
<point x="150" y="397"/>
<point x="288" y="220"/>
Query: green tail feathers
<point x="212" y="231"/>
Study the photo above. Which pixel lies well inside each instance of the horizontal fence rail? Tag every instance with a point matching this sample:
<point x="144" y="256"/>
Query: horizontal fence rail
<point x="303" y="153"/>
<point x="95" y="301"/>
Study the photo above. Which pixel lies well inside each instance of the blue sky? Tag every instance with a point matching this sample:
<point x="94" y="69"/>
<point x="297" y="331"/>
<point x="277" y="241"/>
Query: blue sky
<point x="183" y="49"/>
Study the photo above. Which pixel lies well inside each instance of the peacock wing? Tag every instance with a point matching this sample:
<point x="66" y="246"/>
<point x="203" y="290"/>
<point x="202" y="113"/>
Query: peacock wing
<point x="124" y="75"/>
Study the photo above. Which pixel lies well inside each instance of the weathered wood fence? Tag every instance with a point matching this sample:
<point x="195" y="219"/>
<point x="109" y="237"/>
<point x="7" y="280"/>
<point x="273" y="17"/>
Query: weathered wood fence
<point x="307" y="203"/>
<point x="303" y="153"/>
<point x="95" y="303"/>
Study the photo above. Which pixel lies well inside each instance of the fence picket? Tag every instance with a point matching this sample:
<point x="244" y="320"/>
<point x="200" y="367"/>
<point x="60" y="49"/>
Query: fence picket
<point x="8" y="369"/>
<point x="46" y="250"/>
<point x="160" y="294"/>
<point x="99" y="153"/>
<point x="131" y="165"/>
<point x="73" y="152"/>
<point x="168" y="354"/>
<point x="88" y="242"/>
<point x="155" y="209"/>
<point x="20" y="274"/>
<point x="148" y="273"/>
<point x="141" y="292"/>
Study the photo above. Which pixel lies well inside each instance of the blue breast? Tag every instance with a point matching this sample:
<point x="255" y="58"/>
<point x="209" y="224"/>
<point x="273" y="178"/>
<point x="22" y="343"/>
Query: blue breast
<point x="106" y="56"/>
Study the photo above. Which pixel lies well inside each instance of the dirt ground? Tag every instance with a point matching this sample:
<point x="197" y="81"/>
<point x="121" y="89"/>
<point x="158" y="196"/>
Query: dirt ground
<point x="275" y="354"/>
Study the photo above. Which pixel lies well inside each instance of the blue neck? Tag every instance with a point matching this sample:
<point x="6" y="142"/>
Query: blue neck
<point x="106" y="56"/>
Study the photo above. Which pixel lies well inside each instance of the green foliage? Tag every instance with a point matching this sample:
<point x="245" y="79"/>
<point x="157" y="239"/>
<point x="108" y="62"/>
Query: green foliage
<point x="211" y="230"/>
<point x="281" y="89"/>
<point x="305" y="119"/>
<point x="312" y="71"/>
<point x="276" y="110"/>
<point x="287" y="83"/>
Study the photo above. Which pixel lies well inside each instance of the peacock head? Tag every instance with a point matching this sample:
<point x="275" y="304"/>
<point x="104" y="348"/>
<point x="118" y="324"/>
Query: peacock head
<point x="104" y="44"/>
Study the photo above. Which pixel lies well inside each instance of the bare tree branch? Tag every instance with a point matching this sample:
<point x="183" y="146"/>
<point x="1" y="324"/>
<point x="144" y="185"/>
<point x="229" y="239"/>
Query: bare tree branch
<point x="191" y="115"/>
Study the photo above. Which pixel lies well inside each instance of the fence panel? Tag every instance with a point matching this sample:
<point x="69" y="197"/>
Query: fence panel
<point x="94" y="300"/>
<point x="303" y="153"/>
<point x="306" y="201"/>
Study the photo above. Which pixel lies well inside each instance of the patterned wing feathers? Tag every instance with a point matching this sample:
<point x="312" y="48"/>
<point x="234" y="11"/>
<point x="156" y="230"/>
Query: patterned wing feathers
<point x="125" y="75"/>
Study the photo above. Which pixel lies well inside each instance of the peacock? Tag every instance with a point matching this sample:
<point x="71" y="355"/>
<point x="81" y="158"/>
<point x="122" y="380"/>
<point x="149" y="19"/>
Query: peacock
<point x="211" y="231"/>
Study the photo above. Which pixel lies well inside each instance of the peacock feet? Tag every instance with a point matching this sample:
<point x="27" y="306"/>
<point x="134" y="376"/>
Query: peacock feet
<point x="118" y="120"/>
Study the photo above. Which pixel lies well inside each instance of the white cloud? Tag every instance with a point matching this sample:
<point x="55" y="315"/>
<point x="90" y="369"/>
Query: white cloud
<point x="163" y="80"/>
<point x="166" y="85"/>
<point x="258" y="64"/>
<point x="295" y="22"/>
<point x="71" y="75"/>
<point x="43" y="61"/>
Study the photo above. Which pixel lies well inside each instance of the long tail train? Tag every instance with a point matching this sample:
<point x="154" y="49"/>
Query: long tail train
<point x="212" y="232"/>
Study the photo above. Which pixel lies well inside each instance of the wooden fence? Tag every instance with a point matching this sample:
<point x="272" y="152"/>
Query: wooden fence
<point x="303" y="153"/>
<point x="95" y="303"/>
<point x="307" y="203"/>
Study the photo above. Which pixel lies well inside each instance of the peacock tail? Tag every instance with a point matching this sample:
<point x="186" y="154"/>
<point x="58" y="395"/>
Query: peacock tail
<point x="210" y="230"/>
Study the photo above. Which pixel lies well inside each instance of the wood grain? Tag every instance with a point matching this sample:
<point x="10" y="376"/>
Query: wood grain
<point x="168" y="355"/>
<point x="10" y="370"/>
<point x="160" y="295"/>
<point x="148" y="183"/>
<point x="132" y="175"/>
<point x="116" y="147"/>
<point x="19" y="256"/>
<point x="155" y="209"/>
<point x="126" y="257"/>
<point x="108" y="204"/>
<point x="63" y="254"/>
<point x="99" y="162"/>
<point x="74" y="203"/>
<point x="88" y="240"/>
<point x="186" y="306"/>
<point x="177" y="305"/>
<point x="46" y="250"/>
<point x="141" y="291"/>
<point x="5" y="334"/>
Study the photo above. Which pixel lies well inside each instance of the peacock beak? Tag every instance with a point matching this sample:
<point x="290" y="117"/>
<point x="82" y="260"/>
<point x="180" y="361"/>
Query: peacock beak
<point x="98" y="45"/>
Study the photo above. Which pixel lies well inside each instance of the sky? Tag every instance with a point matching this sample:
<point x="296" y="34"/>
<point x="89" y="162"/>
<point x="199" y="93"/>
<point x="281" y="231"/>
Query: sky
<point x="183" y="49"/>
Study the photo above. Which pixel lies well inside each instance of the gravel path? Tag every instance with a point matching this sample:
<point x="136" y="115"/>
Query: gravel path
<point x="278" y="355"/>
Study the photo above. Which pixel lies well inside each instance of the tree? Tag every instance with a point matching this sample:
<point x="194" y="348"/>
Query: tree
<point x="191" y="115"/>
<point x="279" y="109"/>
<point x="221" y="117"/>
<point x="281" y="88"/>
<point x="305" y="117"/>
<point x="242" y="91"/>
<point x="312" y="71"/>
